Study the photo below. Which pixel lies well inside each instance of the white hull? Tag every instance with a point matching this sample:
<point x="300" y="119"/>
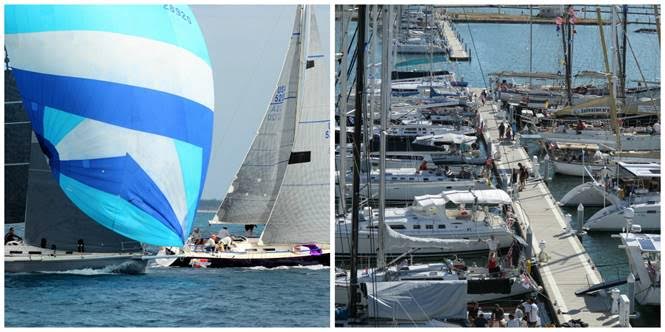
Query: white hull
<point x="575" y="169"/>
<point x="406" y="191"/>
<point x="628" y="142"/>
<point x="589" y="194"/>
<point x="34" y="259"/>
<point x="644" y="265"/>
<point x="611" y="218"/>
<point x="368" y="243"/>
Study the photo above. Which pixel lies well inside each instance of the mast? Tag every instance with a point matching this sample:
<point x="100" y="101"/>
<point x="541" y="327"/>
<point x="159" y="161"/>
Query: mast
<point x="530" y="44"/>
<point x="360" y="92"/>
<point x="342" y="106"/>
<point x="386" y="64"/>
<point x="567" y="50"/>
<point x="622" y="72"/>
<point x="613" y="48"/>
<point x="610" y="81"/>
<point x="657" y="14"/>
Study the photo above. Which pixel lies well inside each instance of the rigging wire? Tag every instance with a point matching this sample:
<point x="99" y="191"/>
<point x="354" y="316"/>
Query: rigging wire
<point x="480" y="65"/>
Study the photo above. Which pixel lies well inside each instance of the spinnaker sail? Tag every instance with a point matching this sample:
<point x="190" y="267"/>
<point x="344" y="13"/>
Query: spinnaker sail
<point x="121" y="101"/>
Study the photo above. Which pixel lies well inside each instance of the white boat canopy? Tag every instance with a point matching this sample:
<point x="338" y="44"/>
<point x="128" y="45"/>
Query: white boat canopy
<point x="489" y="196"/>
<point x="448" y="138"/>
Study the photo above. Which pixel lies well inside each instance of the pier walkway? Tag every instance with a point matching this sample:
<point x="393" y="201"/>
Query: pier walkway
<point x="456" y="49"/>
<point x="569" y="267"/>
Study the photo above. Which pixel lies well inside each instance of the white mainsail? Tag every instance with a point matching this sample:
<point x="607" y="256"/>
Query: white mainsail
<point x="252" y="194"/>
<point x="301" y="212"/>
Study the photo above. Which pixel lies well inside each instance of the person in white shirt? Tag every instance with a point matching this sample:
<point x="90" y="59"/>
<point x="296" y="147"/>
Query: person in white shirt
<point x="527" y="309"/>
<point x="225" y="237"/>
<point x="513" y="321"/>
<point x="533" y="314"/>
<point x="493" y="245"/>
<point x="656" y="128"/>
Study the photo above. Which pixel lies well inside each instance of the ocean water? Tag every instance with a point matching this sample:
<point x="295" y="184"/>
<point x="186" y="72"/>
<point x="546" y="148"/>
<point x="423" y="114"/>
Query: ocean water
<point x="171" y="297"/>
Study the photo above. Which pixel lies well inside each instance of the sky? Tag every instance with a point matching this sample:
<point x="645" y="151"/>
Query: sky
<point x="247" y="46"/>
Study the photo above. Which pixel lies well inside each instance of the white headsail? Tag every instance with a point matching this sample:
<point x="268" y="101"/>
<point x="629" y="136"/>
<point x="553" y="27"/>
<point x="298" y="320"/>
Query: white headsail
<point x="302" y="210"/>
<point x="252" y="194"/>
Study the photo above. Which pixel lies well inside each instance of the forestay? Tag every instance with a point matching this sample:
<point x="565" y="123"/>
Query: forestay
<point x="121" y="101"/>
<point x="302" y="210"/>
<point x="252" y="194"/>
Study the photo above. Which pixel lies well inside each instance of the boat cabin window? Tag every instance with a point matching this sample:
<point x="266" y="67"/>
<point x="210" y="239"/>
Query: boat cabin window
<point x="442" y="227"/>
<point x="397" y="227"/>
<point x="416" y="226"/>
<point x="429" y="226"/>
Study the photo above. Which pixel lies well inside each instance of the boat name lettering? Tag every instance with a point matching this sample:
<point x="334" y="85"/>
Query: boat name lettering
<point x="593" y="110"/>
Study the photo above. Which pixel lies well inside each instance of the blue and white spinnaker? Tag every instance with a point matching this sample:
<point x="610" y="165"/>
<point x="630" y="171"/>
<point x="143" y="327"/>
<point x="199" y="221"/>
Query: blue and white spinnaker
<point x="121" y="100"/>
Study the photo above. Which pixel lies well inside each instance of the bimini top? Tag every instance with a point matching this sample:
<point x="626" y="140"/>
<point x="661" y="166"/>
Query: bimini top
<point x="642" y="170"/>
<point x="448" y="138"/>
<point x="488" y="196"/>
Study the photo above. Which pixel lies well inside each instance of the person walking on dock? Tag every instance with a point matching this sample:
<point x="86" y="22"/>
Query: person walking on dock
<point x="502" y="130"/>
<point x="524" y="173"/>
<point x="509" y="134"/>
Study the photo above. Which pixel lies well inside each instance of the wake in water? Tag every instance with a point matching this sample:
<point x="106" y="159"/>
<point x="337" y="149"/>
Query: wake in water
<point x="305" y="267"/>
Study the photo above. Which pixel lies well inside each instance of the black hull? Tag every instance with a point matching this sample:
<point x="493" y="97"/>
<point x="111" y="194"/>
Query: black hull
<point x="248" y="262"/>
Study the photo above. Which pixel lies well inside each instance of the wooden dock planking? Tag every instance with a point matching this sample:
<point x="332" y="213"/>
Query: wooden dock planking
<point x="569" y="267"/>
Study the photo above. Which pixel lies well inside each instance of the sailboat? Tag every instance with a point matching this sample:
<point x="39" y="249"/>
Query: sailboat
<point x="121" y="119"/>
<point x="283" y="181"/>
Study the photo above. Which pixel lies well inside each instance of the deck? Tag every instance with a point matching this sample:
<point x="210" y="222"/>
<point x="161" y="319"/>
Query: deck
<point x="569" y="267"/>
<point x="456" y="49"/>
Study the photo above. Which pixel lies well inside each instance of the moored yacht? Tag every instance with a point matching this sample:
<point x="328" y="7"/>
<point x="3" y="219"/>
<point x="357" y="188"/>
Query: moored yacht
<point x="643" y="251"/>
<point x="458" y="214"/>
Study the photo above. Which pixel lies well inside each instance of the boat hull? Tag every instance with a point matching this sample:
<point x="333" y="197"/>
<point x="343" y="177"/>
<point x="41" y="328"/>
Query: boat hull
<point x="129" y="264"/>
<point x="517" y="288"/>
<point x="575" y="169"/>
<point x="368" y="244"/>
<point x="240" y="260"/>
<point x="612" y="219"/>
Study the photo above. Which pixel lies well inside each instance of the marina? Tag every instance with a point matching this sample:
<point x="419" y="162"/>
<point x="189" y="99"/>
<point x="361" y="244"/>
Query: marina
<point x="544" y="139"/>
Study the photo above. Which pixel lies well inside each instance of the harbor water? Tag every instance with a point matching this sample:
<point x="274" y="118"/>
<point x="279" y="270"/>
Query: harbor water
<point x="171" y="297"/>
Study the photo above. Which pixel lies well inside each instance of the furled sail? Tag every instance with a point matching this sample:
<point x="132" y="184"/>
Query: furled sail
<point x="121" y="101"/>
<point x="252" y="194"/>
<point x="302" y="209"/>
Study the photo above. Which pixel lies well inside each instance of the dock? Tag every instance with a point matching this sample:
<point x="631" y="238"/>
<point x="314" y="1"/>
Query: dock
<point x="569" y="268"/>
<point x="456" y="49"/>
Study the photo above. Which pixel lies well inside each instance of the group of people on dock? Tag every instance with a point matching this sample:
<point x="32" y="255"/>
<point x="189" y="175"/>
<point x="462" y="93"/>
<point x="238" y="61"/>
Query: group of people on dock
<point x="525" y="315"/>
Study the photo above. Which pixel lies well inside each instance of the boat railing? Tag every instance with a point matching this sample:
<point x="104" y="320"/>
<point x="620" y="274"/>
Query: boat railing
<point x="588" y="172"/>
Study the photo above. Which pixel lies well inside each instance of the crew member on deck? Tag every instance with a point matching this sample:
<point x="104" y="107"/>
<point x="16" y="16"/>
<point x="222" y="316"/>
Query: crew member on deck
<point x="11" y="236"/>
<point x="423" y="166"/>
